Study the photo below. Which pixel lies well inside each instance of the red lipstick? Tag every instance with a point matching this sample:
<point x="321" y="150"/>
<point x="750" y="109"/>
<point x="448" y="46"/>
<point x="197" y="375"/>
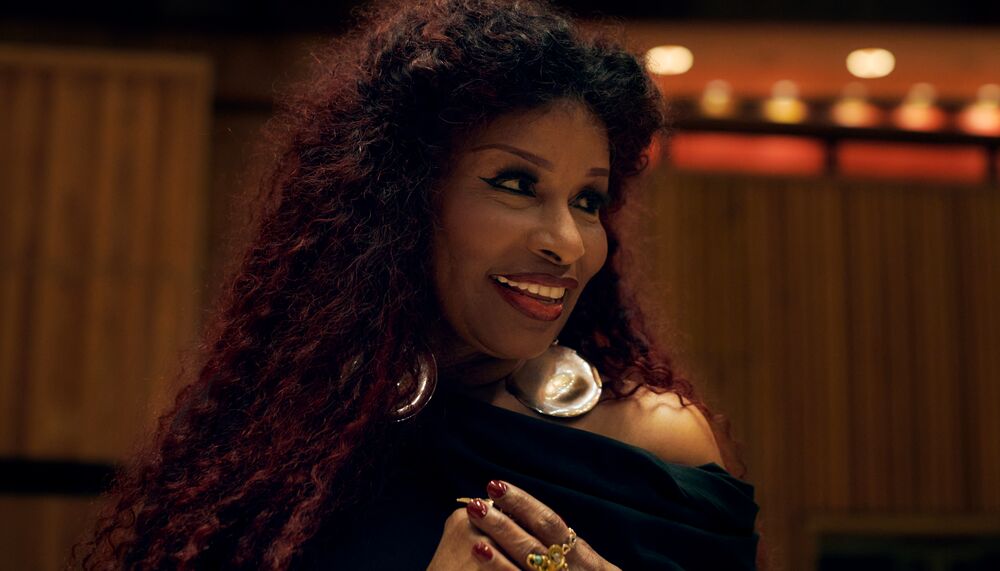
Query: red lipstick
<point x="533" y="308"/>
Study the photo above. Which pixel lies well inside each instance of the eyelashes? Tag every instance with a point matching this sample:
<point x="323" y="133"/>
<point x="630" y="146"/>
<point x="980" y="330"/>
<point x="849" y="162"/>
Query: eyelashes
<point x="509" y="175"/>
<point x="595" y="200"/>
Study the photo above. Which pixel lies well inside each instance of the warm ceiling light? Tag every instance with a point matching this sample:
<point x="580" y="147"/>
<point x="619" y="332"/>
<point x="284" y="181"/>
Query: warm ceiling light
<point x="983" y="116"/>
<point x="853" y="108"/>
<point x="669" y="60"/>
<point x="717" y="99"/>
<point x="871" y="62"/>
<point x="784" y="105"/>
<point x="918" y="111"/>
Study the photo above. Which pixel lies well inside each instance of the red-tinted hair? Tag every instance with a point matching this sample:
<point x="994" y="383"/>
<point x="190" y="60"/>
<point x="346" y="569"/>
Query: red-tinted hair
<point x="270" y="438"/>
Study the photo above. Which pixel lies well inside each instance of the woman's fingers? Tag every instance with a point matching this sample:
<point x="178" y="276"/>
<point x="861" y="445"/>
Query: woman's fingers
<point x="512" y="538"/>
<point x="463" y="546"/>
<point x="543" y="524"/>
<point x="536" y="517"/>
<point x="489" y="556"/>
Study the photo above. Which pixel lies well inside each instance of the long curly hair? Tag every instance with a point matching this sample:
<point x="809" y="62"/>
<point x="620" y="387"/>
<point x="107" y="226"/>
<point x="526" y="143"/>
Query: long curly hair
<point x="276" y="432"/>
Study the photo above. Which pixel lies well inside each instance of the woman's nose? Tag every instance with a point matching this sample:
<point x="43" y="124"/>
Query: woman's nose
<point x="558" y="238"/>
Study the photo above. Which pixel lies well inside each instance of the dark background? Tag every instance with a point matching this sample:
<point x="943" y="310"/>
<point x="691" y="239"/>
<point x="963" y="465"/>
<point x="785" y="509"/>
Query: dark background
<point x="320" y="16"/>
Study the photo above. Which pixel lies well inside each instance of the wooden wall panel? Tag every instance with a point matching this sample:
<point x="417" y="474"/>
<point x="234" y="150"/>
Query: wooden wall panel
<point x="864" y="384"/>
<point x="940" y="382"/>
<point x="20" y="153"/>
<point x="104" y="158"/>
<point x="766" y="338"/>
<point x="901" y="366"/>
<point x="103" y="183"/>
<point x="978" y="226"/>
<point x="849" y="330"/>
<point x="36" y="533"/>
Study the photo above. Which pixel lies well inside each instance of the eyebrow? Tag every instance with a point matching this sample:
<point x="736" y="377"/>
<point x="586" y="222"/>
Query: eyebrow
<point x="533" y="158"/>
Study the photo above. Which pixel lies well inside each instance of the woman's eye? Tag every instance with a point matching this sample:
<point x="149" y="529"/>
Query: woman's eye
<point x="592" y="202"/>
<point x="522" y="184"/>
<point x="589" y="201"/>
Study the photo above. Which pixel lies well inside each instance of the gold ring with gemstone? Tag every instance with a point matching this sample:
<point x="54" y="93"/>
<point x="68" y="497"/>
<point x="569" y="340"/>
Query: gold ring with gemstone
<point x="555" y="559"/>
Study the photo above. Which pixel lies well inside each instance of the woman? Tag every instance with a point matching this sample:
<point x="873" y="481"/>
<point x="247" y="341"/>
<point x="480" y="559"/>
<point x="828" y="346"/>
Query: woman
<point x="439" y="234"/>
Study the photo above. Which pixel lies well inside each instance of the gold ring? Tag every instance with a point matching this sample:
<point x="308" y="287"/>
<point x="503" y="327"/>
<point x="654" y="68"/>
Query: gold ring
<point x="555" y="559"/>
<point x="570" y="541"/>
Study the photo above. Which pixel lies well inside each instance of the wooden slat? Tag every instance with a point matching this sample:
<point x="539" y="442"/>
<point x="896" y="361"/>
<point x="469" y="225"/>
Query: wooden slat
<point x="55" y="351"/>
<point x="732" y="305"/>
<point x="178" y="242"/>
<point x="767" y="342"/>
<point x="24" y="118"/>
<point x="142" y="226"/>
<point x="832" y="312"/>
<point x="979" y="227"/>
<point x="899" y="467"/>
<point x="940" y="449"/>
<point x="804" y="482"/>
<point x="100" y="337"/>
<point x="869" y="373"/>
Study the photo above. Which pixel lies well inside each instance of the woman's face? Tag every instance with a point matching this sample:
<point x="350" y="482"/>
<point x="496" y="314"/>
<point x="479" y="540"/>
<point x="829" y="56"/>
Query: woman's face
<point x="519" y="233"/>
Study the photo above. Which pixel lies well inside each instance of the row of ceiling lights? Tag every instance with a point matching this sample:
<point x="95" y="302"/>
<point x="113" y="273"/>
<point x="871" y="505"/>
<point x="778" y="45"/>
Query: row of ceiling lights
<point x="917" y="112"/>
<point x="865" y="63"/>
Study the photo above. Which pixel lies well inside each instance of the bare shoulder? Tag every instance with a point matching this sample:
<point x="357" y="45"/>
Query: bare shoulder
<point x="661" y="424"/>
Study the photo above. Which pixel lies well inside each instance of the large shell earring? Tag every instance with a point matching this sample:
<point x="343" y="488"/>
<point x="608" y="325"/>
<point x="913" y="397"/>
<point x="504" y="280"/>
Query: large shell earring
<point x="421" y="386"/>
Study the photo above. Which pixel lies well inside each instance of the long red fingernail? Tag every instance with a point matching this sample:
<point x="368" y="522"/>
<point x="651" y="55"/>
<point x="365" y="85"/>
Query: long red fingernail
<point x="496" y="489"/>
<point x="477" y="508"/>
<point x="482" y="551"/>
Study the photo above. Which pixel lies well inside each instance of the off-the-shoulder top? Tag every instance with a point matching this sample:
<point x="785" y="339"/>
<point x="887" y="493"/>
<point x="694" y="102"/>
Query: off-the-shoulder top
<point x="636" y="510"/>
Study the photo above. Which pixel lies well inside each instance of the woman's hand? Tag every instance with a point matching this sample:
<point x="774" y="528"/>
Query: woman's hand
<point x="463" y="546"/>
<point x="502" y="536"/>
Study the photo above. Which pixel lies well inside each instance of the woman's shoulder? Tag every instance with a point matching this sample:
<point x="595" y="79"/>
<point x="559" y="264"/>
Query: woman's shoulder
<point x="654" y="421"/>
<point x="660" y="423"/>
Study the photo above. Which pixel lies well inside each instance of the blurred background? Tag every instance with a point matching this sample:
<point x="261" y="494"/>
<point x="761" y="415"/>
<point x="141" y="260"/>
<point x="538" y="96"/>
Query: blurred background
<point x="822" y="233"/>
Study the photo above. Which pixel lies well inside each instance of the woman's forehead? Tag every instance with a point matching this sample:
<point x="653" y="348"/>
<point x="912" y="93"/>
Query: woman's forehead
<point x="554" y="128"/>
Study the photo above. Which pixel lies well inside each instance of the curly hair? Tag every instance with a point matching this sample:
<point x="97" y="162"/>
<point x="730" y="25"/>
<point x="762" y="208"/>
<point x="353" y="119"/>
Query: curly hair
<point x="275" y="433"/>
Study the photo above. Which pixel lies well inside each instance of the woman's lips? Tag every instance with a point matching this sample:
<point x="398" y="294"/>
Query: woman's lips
<point x="530" y="306"/>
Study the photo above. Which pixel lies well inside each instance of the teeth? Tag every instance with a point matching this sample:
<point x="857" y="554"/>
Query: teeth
<point x="544" y="291"/>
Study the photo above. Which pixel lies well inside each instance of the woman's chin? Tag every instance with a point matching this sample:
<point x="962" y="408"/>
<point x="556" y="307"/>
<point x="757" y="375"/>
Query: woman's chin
<point x="519" y="349"/>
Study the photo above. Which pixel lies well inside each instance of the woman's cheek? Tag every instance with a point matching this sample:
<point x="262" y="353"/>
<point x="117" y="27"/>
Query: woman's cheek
<point x="596" y="244"/>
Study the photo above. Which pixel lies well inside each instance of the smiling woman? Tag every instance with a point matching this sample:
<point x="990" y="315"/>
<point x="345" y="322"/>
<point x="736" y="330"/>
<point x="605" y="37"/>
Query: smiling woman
<point x="433" y="306"/>
<point x="517" y="213"/>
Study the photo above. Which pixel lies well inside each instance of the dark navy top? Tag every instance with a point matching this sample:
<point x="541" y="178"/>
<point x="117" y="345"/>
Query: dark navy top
<point x="635" y="510"/>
